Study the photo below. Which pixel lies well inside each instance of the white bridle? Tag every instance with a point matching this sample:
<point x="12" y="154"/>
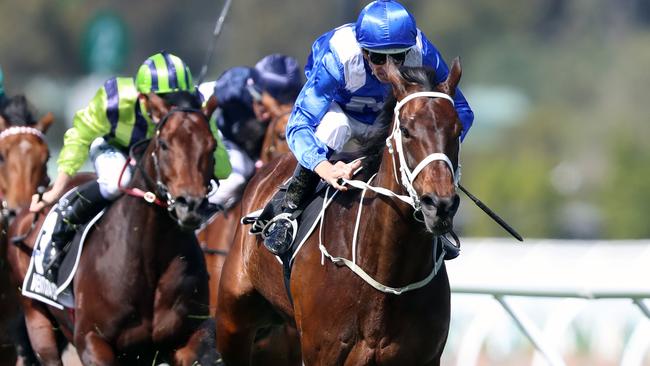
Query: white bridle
<point x="408" y="176"/>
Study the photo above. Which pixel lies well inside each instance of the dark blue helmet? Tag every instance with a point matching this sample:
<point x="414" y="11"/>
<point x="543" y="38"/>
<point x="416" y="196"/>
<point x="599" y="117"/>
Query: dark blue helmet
<point x="386" y="26"/>
<point x="280" y="76"/>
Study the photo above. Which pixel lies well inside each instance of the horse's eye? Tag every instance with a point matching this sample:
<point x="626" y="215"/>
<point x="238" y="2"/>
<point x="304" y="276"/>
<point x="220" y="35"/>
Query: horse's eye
<point x="2" y="158"/>
<point x="282" y="136"/>
<point x="405" y="132"/>
<point x="163" y="145"/>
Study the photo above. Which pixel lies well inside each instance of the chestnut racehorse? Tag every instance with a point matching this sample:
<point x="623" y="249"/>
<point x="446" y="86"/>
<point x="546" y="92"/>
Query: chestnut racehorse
<point x="346" y="312"/>
<point x="141" y="289"/>
<point x="279" y="346"/>
<point x="216" y="238"/>
<point x="23" y="157"/>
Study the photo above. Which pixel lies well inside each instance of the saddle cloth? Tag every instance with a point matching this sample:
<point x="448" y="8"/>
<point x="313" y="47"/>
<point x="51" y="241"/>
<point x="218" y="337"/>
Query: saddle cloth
<point x="36" y="285"/>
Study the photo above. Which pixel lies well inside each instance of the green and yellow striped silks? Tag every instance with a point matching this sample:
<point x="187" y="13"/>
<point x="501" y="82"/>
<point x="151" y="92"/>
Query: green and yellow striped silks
<point x="163" y="73"/>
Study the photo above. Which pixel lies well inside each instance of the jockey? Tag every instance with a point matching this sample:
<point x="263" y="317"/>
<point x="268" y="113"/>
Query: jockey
<point x="116" y="118"/>
<point x="345" y="90"/>
<point x="243" y="118"/>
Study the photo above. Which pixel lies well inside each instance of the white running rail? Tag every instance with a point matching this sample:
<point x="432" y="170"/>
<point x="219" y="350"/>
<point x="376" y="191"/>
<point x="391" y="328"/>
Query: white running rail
<point x="506" y="270"/>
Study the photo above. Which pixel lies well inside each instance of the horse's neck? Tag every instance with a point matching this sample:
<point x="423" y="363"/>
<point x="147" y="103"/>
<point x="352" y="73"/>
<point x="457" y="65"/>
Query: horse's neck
<point x="403" y="252"/>
<point x="150" y="217"/>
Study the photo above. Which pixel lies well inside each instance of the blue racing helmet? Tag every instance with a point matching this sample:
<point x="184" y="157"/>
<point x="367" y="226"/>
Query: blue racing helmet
<point x="280" y="76"/>
<point x="385" y="26"/>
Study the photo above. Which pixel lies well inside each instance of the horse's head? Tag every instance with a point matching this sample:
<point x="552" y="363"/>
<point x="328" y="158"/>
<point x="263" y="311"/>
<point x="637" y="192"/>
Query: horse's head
<point x="275" y="139"/>
<point x="23" y="157"/>
<point x="426" y="136"/>
<point x="181" y="154"/>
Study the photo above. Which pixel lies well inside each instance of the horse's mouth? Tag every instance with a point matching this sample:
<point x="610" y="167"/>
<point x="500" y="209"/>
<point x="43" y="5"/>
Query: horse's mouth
<point x="190" y="221"/>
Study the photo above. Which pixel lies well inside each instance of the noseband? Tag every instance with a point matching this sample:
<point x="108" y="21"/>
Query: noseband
<point x="407" y="175"/>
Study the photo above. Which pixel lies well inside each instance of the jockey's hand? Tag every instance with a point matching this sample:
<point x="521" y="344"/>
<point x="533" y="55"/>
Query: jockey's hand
<point x="40" y="202"/>
<point x="58" y="189"/>
<point x="332" y="173"/>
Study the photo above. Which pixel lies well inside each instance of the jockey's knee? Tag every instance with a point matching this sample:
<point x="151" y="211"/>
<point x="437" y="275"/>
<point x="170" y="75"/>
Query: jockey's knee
<point x="108" y="184"/>
<point x="229" y="191"/>
<point x="109" y="191"/>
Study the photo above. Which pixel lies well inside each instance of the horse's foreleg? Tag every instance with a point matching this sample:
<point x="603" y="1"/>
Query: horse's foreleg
<point x="235" y="342"/>
<point x="200" y="348"/>
<point x="94" y="350"/>
<point x="42" y="334"/>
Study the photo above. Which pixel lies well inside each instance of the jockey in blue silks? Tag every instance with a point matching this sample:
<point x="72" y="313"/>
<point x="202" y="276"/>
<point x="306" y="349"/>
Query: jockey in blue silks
<point x="242" y="118"/>
<point x="345" y="91"/>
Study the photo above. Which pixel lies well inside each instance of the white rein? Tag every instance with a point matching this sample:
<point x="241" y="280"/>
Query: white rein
<point x="407" y="179"/>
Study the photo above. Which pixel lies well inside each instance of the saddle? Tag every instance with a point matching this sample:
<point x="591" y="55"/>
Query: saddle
<point x="36" y="284"/>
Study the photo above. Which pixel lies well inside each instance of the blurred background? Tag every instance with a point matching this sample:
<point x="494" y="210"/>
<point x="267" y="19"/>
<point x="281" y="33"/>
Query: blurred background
<point x="558" y="147"/>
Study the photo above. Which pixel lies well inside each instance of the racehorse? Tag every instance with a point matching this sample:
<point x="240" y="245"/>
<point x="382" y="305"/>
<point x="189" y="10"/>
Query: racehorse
<point x="275" y="139"/>
<point x="23" y="157"/>
<point x="279" y="345"/>
<point x="216" y="238"/>
<point x="347" y="313"/>
<point x="141" y="288"/>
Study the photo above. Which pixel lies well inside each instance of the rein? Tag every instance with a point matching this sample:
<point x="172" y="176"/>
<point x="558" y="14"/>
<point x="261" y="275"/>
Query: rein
<point x="19" y="240"/>
<point x="407" y="178"/>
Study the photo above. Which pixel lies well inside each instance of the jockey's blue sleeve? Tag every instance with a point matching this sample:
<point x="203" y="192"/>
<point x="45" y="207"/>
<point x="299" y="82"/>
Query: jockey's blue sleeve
<point x="431" y="57"/>
<point x="310" y="107"/>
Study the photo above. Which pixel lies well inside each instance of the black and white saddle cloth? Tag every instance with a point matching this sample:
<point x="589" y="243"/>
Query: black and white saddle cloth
<point x="36" y="285"/>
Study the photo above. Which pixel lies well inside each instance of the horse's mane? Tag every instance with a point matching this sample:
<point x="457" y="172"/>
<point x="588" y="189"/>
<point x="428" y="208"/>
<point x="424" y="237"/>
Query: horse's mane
<point x="182" y="99"/>
<point x="373" y="145"/>
<point x="18" y="112"/>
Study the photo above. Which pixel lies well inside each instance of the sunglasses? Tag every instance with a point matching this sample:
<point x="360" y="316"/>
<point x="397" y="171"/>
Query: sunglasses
<point x="380" y="58"/>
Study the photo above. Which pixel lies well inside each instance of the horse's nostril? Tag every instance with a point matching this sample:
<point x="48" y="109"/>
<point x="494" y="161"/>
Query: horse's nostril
<point x="428" y="200"/>
<point x="444" y="206"/>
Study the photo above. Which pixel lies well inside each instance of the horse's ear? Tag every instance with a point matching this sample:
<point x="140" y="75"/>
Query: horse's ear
<point x="3" y="124"/>
<point x="210" y="106"/>
<point x="45" y="122"/>
<point x="155" y="105"/>
<point x="449" y="86"/>
<point x="395" y="79"/>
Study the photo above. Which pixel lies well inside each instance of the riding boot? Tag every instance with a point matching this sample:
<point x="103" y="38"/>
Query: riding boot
<point x="280" y="235"/>
<point x="82" y="206"/>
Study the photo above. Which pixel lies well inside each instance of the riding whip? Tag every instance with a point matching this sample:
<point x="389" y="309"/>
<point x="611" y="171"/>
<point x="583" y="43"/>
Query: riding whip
<point x="491" y="213"/>
<point x="215" y="34"/>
